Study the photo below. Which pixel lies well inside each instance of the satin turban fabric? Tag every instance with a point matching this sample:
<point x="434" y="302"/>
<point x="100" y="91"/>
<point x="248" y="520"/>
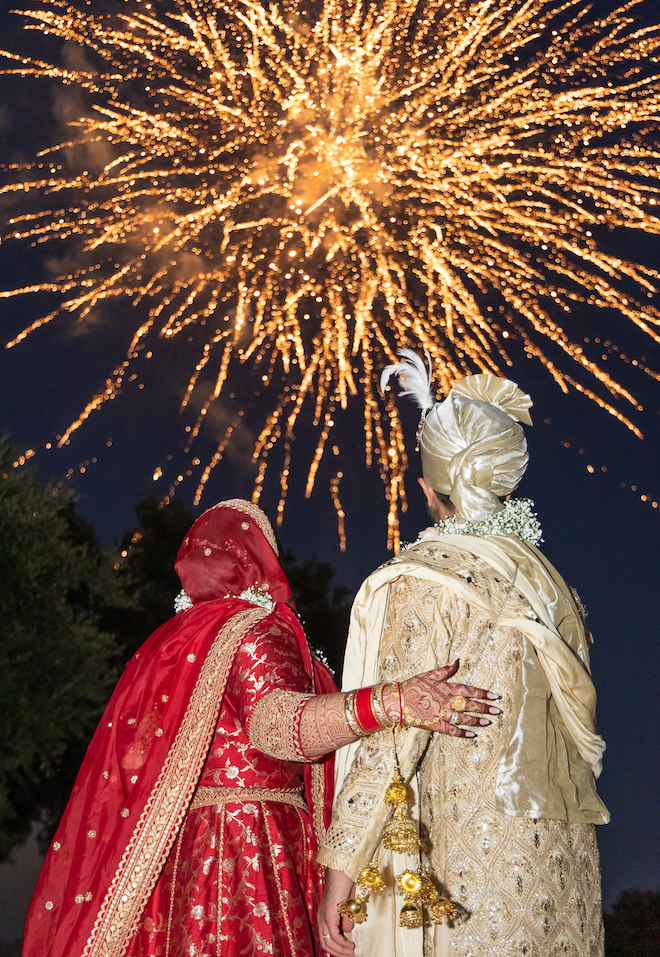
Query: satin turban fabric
<point x="473" y="448"/>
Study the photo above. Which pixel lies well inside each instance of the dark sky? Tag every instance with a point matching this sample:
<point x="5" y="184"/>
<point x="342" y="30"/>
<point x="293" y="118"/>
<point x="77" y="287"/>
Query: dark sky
<point x="600" y="533"/>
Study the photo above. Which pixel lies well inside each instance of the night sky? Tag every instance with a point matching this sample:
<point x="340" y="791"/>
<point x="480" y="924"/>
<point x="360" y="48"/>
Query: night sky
<point x="598" y="531"/>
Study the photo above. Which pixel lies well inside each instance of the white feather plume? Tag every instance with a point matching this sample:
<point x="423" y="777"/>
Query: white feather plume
<point x="413" y="376"/>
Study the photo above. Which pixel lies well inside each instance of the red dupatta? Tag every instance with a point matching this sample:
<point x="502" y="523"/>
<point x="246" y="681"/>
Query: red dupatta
<point x="144" y="761"/>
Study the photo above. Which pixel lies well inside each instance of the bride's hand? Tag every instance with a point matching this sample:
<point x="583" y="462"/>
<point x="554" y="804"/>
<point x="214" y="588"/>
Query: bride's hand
<point x="430" y="701"/>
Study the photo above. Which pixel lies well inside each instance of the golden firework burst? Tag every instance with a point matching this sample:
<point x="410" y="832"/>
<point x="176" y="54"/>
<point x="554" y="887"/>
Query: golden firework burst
<point x="313" y="183"/>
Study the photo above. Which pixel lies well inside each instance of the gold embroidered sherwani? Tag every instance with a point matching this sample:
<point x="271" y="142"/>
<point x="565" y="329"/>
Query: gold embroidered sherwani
<point x="507" y="818"/>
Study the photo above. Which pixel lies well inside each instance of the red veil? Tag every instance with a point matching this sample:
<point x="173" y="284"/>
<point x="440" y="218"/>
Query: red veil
<point x="146" y="756"/>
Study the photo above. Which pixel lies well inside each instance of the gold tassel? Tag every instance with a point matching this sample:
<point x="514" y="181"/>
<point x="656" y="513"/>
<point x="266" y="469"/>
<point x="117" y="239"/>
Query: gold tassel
<point x="442" y="910"/>
<point x="400" y="832"/>
<point x="355" y="908"/>
<point x="370" y="879"/>
<point x="410" y="916"/>
<point x="412" y="883"/>
<point x="418" y="889"/>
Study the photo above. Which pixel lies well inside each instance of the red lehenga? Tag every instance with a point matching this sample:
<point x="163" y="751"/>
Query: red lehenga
<point x="181" y="835"/>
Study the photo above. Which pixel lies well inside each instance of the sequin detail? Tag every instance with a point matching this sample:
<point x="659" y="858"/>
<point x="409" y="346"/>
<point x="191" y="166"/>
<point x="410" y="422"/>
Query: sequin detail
<point x="526" y="887"/>
<point x="275" y="724"/>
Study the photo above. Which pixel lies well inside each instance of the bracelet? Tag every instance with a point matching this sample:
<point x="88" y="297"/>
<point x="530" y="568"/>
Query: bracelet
<point x="379" y="708"/>
<point x="364" y="711"/>
<point x="351" y="717"/>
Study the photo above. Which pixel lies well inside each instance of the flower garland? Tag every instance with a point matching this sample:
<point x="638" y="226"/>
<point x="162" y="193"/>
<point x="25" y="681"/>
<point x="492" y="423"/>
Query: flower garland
<point x="182" y="602"/>
<point x="258" y="595"/>
<point x="516" y="518"/>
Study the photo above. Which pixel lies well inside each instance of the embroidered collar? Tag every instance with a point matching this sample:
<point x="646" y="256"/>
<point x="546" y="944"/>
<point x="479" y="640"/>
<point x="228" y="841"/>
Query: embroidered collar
<point x="516" y="518"/>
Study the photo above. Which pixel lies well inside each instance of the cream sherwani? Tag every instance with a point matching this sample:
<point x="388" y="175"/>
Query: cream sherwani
<point x="507" y="818"/>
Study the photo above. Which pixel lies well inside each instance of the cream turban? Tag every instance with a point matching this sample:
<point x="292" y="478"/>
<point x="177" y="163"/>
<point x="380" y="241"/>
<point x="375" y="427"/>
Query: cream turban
<point x="472" y="448"/>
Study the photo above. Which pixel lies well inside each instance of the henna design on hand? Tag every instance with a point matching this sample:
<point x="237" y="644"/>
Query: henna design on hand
<point x="323" y="725"/>
<point x="427" y="695"/>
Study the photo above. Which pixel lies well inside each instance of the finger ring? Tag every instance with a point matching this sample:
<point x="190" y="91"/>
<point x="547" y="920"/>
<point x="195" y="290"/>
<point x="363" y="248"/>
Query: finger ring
<point x="459" y="703"/>
<point x="454" y="718"/>
<point x="325" y="936"/>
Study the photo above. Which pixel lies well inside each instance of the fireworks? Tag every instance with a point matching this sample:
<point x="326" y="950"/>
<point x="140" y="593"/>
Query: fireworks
<point x="307" y="186"/>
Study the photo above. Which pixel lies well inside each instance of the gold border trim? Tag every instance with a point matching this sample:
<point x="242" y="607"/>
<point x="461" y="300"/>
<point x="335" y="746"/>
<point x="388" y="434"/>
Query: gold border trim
<point x="240" y="505"/>
<point x="282" y="899"/>
<point x="168" y="802"/>
<point x="209" y="797"/>
<point x="318" y="800"/>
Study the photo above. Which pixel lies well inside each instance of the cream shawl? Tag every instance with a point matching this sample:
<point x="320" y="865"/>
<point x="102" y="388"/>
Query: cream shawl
<point x="555" y="703"/>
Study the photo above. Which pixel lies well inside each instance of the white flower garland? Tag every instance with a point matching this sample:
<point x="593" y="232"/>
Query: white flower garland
<point x="516" y="518"/>
<point x="182" y="602"/>
<point x="318" y="654"/>
<point x="258" y="595"/>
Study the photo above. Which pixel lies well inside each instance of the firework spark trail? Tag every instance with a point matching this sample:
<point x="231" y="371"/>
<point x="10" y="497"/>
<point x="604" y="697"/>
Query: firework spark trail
<point x="317" y="183"/>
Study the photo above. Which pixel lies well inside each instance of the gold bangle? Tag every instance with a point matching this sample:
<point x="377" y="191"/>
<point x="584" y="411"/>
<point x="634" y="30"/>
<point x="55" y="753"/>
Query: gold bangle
<point x="351" y="717"/>
<point x="378" y="706"/>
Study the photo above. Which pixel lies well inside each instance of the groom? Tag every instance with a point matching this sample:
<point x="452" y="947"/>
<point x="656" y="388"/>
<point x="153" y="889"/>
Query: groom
<point x="507" y="818"/>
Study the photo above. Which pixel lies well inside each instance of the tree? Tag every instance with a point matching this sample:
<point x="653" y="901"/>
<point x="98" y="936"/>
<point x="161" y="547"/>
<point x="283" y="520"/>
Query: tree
<point x="149" y="551"/>
<point x="72" y="614"/>
<point x="324" y="610"/>
<point x="57" y="661"/>
<point x="632" y="929"/>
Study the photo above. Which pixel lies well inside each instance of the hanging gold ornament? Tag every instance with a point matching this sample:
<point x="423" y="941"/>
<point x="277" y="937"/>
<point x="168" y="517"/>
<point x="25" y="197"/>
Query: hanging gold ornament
<point x="410" y="883"/>
<point x="355" y="908"/>
<point x="427" y="891"/>
<point x="418" y="889"/>
<point x="410" y="916"/>
<point x="370" y="879"/>
<point x="414" y="885"/>
<point x="400" y="832"/>
<point x="442" y="910"/>
<point x="397" y="792"/>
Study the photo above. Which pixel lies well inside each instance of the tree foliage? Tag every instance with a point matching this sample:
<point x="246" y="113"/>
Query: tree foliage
<point x="324" y="610"/>
<point x="57" y="661"/>
<point x="148" y="569"/>
<point x="632" y="929"/>
<point x="73" y="613"/>
<point x="149" y="551"/>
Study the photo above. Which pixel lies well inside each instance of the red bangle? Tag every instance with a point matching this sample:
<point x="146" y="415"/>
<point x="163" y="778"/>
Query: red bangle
<point x="364" y="712"/>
